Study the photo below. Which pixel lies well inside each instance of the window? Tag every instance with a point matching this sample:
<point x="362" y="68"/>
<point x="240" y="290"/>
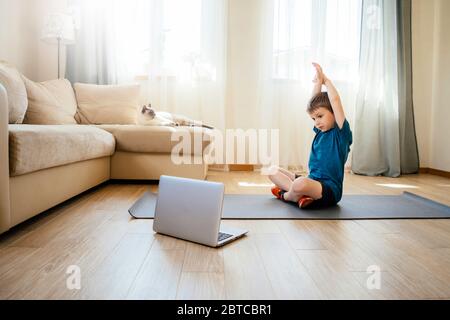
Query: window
<point x="291" y="36"/>
<point x="323" y="30"/>
<point x="181" y="36"/>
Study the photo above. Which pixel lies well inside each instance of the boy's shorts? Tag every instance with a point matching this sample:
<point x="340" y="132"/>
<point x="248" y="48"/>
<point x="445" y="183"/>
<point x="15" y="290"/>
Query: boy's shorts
<point x="327" y="199"/>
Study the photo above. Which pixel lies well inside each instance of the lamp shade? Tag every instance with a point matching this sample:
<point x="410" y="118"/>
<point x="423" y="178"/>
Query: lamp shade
<point x="58" y="26"/>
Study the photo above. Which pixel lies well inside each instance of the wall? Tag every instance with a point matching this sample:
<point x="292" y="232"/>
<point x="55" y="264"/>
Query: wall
<point x="243" y="44"/>
<point x="16" y="35"/>
<point x="431" y="81"/>
<point x="440" y="122"/>
<point x="20" y="44"/>
<point x="422" y="34"/>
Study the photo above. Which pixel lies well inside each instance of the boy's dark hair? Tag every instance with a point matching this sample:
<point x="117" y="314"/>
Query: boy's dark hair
<point x="320" y="100"/>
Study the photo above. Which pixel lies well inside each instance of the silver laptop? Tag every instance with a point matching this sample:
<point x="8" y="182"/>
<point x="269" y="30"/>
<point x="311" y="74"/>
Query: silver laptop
<point x="191" y="210"/>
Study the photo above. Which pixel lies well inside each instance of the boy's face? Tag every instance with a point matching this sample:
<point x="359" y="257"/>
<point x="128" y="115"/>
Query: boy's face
<point x="323" y="119"/>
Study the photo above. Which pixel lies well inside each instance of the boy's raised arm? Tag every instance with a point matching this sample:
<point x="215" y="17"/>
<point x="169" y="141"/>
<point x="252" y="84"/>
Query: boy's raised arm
<point x="334" y="97"/>
<point x="318" y="82"/>
<point x="336" y="103"/>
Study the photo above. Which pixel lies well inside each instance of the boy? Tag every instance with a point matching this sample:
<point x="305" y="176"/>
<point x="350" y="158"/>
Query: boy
<point x="330" y="149"/>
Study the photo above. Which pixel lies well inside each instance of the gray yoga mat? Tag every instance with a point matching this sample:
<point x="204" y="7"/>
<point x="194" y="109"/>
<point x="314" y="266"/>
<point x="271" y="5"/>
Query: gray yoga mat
<point x="352" y="207"/>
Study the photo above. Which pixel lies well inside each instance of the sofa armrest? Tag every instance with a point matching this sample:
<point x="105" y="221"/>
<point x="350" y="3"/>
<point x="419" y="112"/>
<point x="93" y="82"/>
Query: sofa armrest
<point x="5" y="217"/>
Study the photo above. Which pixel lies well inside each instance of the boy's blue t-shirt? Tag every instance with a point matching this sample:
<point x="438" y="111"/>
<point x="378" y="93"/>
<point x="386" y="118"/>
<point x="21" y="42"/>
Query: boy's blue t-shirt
<point x="329" y="153"/>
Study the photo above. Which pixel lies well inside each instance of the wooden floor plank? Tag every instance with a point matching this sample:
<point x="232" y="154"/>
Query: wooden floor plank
<point x="114" y="277"/>
<point x="288" y="277"/>
<point x="47" y="271"/>
<point x="299" y="236"/>
<point x="159" y="276"/>
<point x="245" y="275"/>
<point x="200" y="258"/>
<point x="331" y="275"/>
<point x="391" y="288"/>
<point x="201" y="286"/>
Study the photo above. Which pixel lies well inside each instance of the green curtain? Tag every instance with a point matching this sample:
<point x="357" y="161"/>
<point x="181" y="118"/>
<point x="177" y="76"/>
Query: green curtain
<point x="409" y="153"/>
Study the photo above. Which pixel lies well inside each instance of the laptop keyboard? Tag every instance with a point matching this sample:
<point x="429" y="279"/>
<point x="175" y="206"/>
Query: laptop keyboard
<point x="223" y="236"/>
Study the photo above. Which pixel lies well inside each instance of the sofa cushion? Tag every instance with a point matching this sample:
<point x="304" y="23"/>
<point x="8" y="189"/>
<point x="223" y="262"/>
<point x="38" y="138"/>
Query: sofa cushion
<point x="155" y="139"/>
<point x="107" y="104"/>
<point x="35" y="147"/>
<point x="50" y="102"/>
<point x="11" y="79"/>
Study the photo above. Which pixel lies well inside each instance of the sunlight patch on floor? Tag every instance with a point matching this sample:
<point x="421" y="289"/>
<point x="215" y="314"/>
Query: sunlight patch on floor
<point x="396" y="186"/>
<point x="250" y="184"/>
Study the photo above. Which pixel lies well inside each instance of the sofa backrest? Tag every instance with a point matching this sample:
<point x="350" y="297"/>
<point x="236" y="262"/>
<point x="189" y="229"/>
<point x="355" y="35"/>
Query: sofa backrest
<point x="11" y="80"/>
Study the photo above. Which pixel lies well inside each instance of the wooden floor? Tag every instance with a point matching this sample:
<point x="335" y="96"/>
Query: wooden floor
<point x="121" y="258"/>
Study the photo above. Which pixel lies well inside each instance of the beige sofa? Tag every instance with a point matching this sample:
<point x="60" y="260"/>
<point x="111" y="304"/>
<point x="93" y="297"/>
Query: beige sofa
<point x="44" y="165"/>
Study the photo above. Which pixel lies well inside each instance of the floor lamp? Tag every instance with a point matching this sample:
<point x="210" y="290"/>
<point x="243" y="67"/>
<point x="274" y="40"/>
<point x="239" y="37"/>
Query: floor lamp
<point x="59" y="29"/>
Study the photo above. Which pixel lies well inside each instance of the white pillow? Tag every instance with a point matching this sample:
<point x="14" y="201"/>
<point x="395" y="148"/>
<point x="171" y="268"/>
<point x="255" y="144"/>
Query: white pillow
<point x="50" y="102"/>
<point x="107" y="104"/>
<point x="11" y="79"/>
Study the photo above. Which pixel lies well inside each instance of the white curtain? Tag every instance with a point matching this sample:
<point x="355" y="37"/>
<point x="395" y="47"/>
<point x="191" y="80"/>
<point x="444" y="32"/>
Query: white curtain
<point x="110" y="40"/>
<point x="176" y="49"/>
<point x="294" y="34"/>
<point x="187" y="65"/>
<point x="385" y="141"/>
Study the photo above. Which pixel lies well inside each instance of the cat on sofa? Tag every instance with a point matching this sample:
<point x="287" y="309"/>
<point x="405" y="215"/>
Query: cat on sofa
<point x="150" y="117"/>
